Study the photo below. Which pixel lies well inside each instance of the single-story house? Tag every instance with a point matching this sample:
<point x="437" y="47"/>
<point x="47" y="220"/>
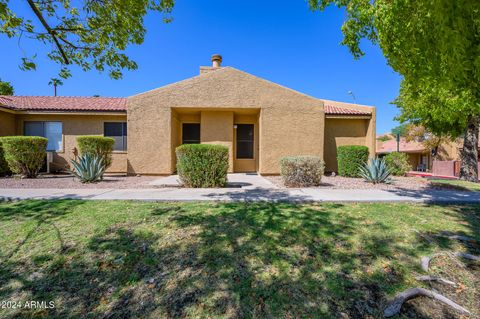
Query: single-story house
<point x="420" y="158"/>
<point x="258" y="120"/>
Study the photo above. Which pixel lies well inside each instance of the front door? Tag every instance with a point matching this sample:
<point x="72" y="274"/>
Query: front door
<point x="244" y="153"/>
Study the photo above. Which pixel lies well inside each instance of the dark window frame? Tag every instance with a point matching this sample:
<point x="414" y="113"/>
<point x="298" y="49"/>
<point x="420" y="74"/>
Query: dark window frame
<point x="124" y="138"/>
<point x="44" y="133"/>
<point x="248" y="141"/>
<point x="191" y="139"/>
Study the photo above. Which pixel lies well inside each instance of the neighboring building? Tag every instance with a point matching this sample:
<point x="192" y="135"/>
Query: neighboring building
<point x="420" y="158"/>
<point x="258" y="120"/>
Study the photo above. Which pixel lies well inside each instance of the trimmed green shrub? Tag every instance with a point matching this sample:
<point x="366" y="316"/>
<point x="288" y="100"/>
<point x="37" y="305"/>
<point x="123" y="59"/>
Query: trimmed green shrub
<point x="89" y="168"/>
<point x="202" y="165"/>
<point x="302" y="171"/>
<point x="4" y="169"/>
<point x="97" y="145"/>
<point x="350" y="158"/>
<point x="25" y="154"/>
<point x="397" y="163"/>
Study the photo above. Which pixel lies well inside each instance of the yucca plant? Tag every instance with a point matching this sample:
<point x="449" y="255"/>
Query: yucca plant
<point x="89" y="168"/>
<point x="375" y="171"/>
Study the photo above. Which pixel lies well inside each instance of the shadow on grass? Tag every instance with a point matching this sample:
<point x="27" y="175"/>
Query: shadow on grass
<point x="233" y="260"/>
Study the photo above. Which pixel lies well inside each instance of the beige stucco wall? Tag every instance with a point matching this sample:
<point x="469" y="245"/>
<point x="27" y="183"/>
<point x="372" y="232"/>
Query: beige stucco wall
<point x="449" y="151"/>
<point x="7" y="123"/>
<point x="216" y="127"/>
<point x="290" y="123"/>
<point x="339" y="132"/>
<point x="74" y="126"/>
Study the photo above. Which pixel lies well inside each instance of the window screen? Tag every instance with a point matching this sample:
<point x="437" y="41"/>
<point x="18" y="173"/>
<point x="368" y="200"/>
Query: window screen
<point x="50" y="130"/>
<point x="191" y="133"/>
<point x="245" y="141"/>
<point x="117" y="131"/>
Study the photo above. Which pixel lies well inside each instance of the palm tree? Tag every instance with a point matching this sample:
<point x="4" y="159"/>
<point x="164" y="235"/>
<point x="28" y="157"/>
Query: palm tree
<point x="55" y="82"/>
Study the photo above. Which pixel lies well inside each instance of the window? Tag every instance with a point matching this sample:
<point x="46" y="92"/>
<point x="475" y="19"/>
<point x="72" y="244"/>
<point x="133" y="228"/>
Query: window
<point x="245" y="141"/>
<point x="117" y="131"/>
<point x="51" y="130"/>
<point x="191" y="133"/>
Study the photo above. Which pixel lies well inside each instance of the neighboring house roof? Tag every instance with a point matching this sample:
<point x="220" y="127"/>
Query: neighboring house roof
<point x="63" y="103"/>
<point x="406" y="147"/>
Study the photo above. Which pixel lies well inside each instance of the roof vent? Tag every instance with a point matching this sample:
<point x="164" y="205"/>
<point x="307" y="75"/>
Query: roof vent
<point x="216" y="60"/>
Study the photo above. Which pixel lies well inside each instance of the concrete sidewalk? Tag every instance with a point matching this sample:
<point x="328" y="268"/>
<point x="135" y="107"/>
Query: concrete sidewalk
<point x="239" y="194"/>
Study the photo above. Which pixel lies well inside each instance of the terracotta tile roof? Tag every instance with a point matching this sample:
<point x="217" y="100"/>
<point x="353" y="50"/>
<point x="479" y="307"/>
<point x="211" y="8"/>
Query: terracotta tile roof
<point x="4" y="100"/>
<point x="110" y="104"/>
<point x="407" y="147"/>
<point x="335" y="110"/>
<point x="63" y="103"/>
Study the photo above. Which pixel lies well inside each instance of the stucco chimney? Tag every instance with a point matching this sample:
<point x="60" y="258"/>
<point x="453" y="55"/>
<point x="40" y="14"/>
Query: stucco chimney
<point x="216" y="60"/>
<point x="216" y="64"/>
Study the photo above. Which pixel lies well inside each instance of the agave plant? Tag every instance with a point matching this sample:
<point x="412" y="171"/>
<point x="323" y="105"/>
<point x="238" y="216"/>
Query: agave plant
<point x="89" y="168"/>
<point x="375" y="171"/>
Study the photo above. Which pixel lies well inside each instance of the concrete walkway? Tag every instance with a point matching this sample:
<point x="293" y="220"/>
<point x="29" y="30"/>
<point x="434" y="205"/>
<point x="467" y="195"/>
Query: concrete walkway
<point x="236" y="180"/>
<point x="243" y="194"/>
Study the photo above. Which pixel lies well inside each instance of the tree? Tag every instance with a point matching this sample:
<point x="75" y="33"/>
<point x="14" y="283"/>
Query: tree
<point x="55" y="82"/>
<point x="6" y="88"/>
<point x="92" y="34"/>
<point x="435" y="47"/>
<point x="429" y="140"/>
<point x="401" y="129"/>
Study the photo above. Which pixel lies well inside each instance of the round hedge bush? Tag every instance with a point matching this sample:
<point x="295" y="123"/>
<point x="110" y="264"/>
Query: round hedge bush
<point x="302" y="171"/>
<point x="398" y="163"/>
<point x="4" y="169"/>
<point x="25" y="155"/>
<point x="202" y="165"/>
<point x="350" y="158"/>
<point x="97" y="145"/>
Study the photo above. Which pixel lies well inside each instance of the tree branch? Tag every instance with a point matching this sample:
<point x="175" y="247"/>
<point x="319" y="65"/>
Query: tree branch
<point x="73" y="45"/>
<point x="49" y="30"/>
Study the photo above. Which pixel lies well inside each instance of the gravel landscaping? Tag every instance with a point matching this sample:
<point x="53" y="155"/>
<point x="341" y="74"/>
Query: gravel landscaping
<point x="339" y="182"/>
<point x="67" y="181"/>
<point x="64" y="181"/>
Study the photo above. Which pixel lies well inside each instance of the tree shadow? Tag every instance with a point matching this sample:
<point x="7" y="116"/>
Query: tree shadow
<point x="434" y="195"/>
<point x="259" y="194"/>
<point x="230" y="260"/>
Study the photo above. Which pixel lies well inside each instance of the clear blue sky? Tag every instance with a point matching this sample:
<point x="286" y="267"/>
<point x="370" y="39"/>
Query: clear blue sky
<point x="281" y="41"/>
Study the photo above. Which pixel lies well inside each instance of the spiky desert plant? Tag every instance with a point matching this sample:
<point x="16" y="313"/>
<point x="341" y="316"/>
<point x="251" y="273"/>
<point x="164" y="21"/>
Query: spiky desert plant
<point x="375" y="171"/>
<point x="88" y="168"/>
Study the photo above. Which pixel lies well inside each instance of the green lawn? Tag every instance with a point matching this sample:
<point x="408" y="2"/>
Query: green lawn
<point x="456" y="184"/>
<point x="116" y="259"/>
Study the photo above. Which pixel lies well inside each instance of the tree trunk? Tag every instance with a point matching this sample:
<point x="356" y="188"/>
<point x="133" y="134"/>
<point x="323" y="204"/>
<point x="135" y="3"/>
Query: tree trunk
<point x="469" y="154"/>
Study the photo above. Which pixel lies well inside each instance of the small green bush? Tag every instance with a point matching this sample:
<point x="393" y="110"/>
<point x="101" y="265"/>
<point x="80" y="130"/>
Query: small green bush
<point x="397" y="163"/>
<point x="302" y="171"/>
<point x="97" y="145"/>
<point x="25" y="154"/>
<point x="350" y="158"/>
<point x="202" y="165"/>
<point x="4" y="169"/>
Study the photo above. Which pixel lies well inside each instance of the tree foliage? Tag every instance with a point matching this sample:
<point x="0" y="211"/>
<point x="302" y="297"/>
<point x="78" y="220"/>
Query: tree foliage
<point x="429" y="140"/>
<point x="435" y="46"/>
<point x="6" y="88"/>
<point x="400" y="129"/>
<point x="92" y="34"/>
